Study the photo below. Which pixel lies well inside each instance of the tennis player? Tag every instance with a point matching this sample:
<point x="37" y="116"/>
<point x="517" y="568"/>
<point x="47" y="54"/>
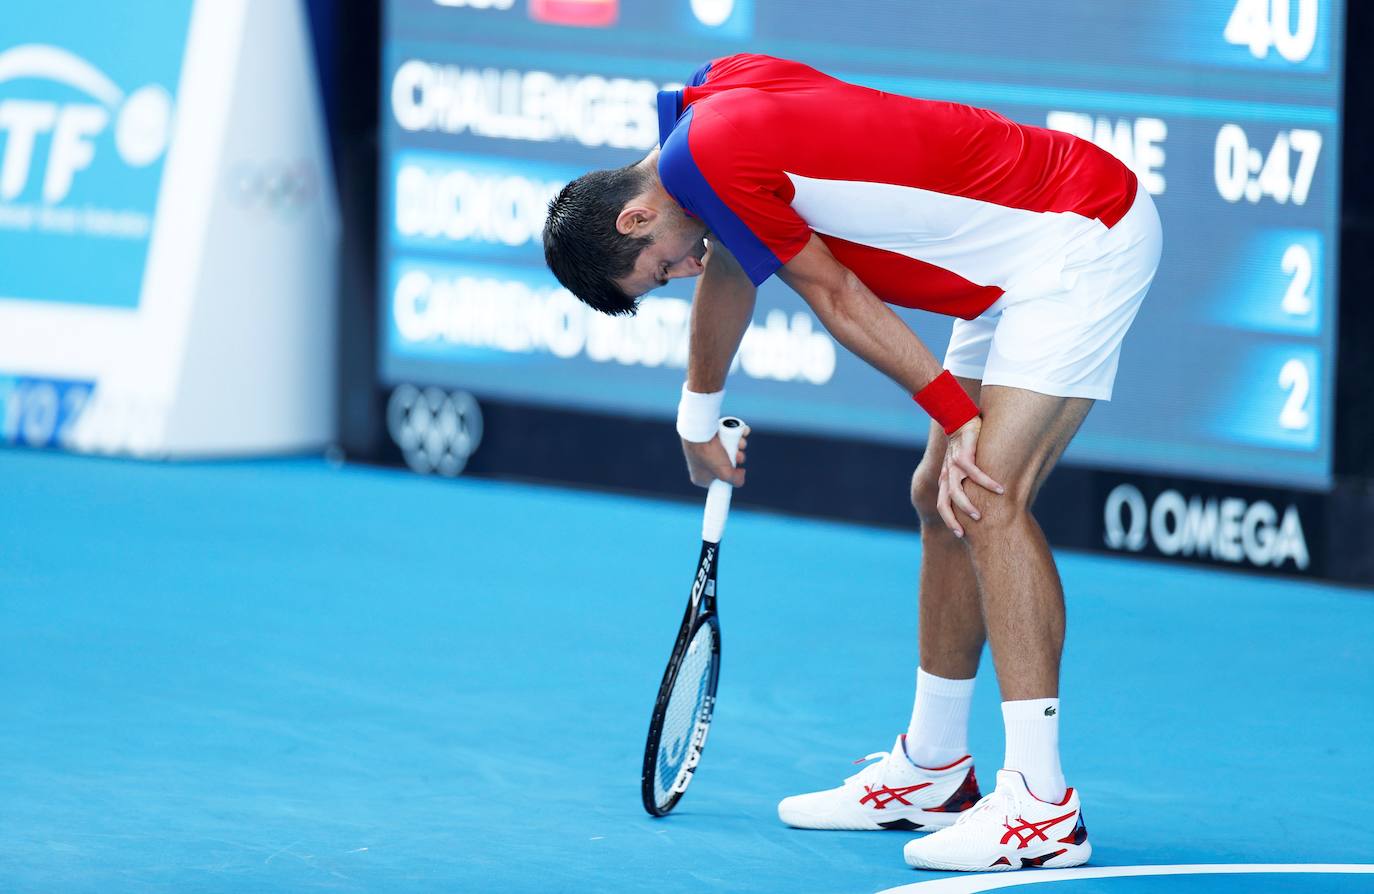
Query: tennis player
<point x="1041" y="245"/>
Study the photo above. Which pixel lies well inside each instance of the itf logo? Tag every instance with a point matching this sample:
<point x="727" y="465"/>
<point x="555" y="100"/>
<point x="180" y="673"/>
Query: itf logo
<point x="86" y="121"/>
<point x="142" y="121"/>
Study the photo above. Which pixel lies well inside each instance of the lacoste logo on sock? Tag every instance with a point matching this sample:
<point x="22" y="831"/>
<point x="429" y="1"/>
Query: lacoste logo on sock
<point x="1050" y="712"/>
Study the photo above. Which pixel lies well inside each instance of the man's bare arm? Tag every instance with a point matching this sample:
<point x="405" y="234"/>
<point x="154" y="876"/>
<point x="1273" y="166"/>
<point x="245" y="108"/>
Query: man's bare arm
<point x="861" y="322"/>
<point x="858" y="319"/>
<point x="721" y="311"/>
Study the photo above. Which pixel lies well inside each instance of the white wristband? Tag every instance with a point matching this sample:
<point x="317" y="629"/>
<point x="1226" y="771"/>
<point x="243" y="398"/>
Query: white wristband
<point x="698" y="415"/>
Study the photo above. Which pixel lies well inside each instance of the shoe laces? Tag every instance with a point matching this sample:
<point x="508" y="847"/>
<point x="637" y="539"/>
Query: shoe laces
<point x="991" y="802"/>
<point x="872" y="771"/>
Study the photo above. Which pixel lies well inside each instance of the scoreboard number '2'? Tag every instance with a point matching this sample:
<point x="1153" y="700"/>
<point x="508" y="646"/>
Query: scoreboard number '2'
<point x="1295" y="378"/>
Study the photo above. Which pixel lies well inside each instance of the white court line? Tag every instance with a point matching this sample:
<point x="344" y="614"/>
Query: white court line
<point x="969" y="884"/>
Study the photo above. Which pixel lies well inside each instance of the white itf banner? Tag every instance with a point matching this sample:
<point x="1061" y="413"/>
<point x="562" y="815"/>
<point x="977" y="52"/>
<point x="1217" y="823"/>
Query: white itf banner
<point x="168" y="229"/>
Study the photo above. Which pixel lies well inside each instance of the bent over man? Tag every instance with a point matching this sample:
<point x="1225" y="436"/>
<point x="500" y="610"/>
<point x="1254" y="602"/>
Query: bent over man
<point x="1040" y="244"/>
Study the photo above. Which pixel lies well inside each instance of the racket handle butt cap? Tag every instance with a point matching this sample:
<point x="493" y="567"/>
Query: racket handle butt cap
<point x="731" y="429"/>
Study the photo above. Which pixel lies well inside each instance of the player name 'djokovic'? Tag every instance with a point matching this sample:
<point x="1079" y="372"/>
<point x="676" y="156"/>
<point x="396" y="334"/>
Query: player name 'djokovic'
<point x="457" y="205"/>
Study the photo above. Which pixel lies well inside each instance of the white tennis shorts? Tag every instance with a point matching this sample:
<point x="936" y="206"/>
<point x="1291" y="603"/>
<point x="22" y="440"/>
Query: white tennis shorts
<point x="1063" y="338"/>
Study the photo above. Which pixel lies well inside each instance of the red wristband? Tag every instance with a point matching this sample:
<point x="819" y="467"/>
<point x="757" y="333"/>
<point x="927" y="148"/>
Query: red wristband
<point x="947" y="402"/>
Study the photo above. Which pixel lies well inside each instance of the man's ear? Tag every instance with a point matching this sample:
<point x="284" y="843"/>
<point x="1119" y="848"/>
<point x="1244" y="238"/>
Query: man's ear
<point x="635" y="220"/>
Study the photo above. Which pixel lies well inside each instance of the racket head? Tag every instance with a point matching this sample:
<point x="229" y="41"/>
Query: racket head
<point x="682" y="718"/>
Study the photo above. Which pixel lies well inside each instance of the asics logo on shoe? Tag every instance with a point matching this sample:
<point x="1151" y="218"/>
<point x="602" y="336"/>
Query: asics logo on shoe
<point x="1027" y="832"/>
<point x="879" y="798"/>
<point x="1050" y="711"/>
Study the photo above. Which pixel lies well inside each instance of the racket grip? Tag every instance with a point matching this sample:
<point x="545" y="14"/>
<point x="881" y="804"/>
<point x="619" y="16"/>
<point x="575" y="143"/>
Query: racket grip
<point x="718" y="494"/>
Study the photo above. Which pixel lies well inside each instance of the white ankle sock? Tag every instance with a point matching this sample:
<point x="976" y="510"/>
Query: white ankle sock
<point x="938" y="732"/>
<point x="1033" y="745"/>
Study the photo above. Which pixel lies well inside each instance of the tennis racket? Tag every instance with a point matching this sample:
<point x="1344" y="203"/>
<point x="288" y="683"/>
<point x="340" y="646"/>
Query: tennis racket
<point x="687" y="695"/>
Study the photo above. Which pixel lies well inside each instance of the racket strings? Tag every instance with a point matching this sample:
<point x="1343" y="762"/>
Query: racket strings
<point x="686" y="704"/>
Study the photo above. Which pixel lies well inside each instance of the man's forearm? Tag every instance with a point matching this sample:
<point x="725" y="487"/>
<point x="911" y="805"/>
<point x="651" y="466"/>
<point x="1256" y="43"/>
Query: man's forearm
<point x="866" y="326"/>
<point x="859" y="320"/>
<point x="721" y="311"/>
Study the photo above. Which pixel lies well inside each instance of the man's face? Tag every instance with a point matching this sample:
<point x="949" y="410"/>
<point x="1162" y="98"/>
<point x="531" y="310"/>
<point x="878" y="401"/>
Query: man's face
<point x="677" y="251"/>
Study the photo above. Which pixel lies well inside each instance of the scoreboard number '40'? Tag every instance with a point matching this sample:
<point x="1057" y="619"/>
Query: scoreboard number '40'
<point x="1286" y="26"/>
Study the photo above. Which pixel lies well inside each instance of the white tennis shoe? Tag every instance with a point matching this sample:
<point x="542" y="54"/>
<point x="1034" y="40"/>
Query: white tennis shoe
<point x="1009" y="829"/>
<point x="892" y="793"/>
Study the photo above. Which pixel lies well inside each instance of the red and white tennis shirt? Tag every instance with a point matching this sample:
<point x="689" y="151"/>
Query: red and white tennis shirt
<point x="934" y="205"/>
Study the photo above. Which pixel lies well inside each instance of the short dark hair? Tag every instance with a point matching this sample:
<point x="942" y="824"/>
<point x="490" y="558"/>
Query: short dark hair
<point x="581" y="244"/>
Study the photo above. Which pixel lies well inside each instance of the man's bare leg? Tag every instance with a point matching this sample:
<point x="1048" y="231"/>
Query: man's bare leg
<point x="951" y="617"/>
<point x="1023" y="435"/>
<point x="951" y="631"/>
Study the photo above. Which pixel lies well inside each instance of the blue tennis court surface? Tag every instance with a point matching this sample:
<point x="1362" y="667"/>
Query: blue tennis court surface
<point x="280" y="676"/>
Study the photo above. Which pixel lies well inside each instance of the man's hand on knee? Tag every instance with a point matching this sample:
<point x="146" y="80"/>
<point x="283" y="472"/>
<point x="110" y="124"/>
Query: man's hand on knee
<point x="960" y="466"/>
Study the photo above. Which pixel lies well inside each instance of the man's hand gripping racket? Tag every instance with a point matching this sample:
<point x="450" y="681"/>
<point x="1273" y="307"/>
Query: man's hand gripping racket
<point x="687" y="695"/>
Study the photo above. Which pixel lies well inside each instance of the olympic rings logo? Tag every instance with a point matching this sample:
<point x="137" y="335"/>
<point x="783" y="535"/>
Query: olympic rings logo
<point x="274" y="187"/>
<point x="436" y="430"/>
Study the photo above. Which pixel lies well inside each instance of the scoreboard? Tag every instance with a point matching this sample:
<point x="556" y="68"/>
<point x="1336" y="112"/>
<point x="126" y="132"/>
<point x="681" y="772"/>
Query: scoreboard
<point x="1228" y="110"/>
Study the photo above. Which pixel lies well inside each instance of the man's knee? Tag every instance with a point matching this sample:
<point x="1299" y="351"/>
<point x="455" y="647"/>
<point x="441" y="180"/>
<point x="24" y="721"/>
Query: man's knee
<point x="999" y="514"/>
<point x="925" y="492"/>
